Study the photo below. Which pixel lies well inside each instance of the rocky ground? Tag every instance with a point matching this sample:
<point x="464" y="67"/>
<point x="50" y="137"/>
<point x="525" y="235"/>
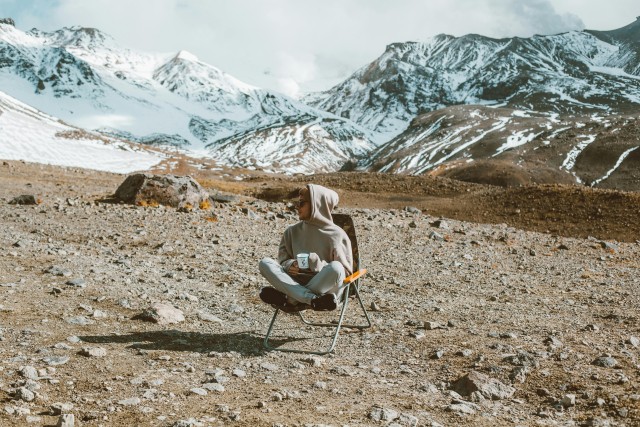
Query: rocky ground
<point x="473" y="324"/>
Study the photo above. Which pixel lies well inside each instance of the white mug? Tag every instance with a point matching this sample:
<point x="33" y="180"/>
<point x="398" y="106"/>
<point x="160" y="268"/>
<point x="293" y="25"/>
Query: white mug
<point x="303" y="261"/>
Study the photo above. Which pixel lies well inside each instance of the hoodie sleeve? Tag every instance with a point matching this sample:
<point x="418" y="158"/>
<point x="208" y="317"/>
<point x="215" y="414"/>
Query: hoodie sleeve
<point x="285" y="253"/>
<point x="342" y="253"/>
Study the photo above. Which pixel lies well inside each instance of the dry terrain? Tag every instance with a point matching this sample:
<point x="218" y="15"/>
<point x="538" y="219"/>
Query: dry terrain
<point x="534" y="291"/>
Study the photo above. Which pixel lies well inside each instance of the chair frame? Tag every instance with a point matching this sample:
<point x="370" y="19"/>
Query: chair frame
<point x="352" y="289"/>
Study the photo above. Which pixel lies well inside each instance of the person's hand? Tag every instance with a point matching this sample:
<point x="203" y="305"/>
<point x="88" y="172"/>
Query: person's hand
<point x="315" y="264"/>
<point x="294" y="269"/>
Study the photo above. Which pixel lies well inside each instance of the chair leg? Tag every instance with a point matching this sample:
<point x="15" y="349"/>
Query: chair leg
<point x="266" y="338"/>
<point x="337" y="325"/>
<point x="337" y="331"/>
<point x="346" y="298"/>
<point x="364" y="310"/>
<point x="334" y="339"/>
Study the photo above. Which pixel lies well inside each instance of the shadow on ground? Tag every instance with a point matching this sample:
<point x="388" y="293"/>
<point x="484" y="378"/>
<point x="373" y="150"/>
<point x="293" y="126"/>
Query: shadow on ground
<point x="245" y="343"/>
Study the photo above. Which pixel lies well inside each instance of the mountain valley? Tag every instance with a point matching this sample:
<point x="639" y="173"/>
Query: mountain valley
<point x="546" y="109"/>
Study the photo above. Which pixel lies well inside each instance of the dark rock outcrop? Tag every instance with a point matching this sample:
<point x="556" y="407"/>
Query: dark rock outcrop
<point x="25" y="199"/>
<point x="168" y="190"/>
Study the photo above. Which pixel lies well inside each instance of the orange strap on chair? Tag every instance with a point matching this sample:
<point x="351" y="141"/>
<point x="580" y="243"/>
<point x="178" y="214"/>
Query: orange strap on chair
<point x="355" y="276"/>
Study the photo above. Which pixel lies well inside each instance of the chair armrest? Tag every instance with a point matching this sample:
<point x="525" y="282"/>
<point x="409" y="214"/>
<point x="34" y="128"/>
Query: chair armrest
<point x="355" y="276"/>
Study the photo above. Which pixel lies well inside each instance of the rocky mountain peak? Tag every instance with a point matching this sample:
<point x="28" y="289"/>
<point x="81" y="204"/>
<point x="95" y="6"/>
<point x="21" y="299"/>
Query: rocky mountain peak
<point x="75" y="37"/>
<point x="627" y="34"/>
<point x="187" y="56"/>
<point x="180" y="101"/>
<point x="8" y="21"/>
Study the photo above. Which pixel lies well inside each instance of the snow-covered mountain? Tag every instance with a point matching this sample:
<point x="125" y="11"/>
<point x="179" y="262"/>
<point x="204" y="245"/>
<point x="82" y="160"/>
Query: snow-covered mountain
<point x="559" y="107"/>
<point x="84" y="77"/>
<point x="571" y="73"/>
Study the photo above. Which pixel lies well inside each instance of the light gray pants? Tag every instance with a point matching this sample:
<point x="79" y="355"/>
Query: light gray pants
<point x="328" y="280"/>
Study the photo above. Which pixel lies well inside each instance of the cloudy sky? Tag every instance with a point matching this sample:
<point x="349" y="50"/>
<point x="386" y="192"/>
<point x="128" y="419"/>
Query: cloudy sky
<point x="296" y="46"/>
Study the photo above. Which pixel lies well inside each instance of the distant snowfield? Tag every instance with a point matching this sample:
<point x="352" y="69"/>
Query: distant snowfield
<point x="29" y="135"/>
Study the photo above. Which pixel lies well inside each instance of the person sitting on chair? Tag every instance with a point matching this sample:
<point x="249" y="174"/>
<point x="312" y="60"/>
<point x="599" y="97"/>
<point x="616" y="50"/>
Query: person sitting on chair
<point x="330" y="260"/>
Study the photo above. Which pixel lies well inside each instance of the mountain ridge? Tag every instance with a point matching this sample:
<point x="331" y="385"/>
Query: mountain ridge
<point x="555" y="83"/>
<point x="412" y="78"/>
<point x="82" y="76"/>
<point x="374" y="120"/>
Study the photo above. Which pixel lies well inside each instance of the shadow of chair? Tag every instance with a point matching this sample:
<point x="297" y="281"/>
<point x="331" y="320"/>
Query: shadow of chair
<point x="245" y="343"/>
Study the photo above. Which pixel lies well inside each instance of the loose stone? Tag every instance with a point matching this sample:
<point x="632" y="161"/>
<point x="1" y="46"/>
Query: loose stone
<point x="133" y="401"/>
<point x="66" y="420"/>
<point x="213" y="387"/>
<point x="208" y="317"/>
<point x="79" y="320"/>
<point x="432" y="325"/>
<point x="59" y="408"/>
<point x="269" y="366"/>
<point x="25" y="394"/>
<point x="25" y="199"/>
<point x="162" y="314"/>
<point x="58" y="271"/>
<point x="93" y="351"/>
<point x="418" y="334"/>
<point x="606" y="362"/>
<point x="29" y="372"/>
<point x="568" y="400"/>
<point x="466" y="408"/>
<point x="77" y="283"/>
<point x="378" y="414"/>
<point x="239" y="373"/>
<point x="489" y="388"/>
<point x="56" y="360"/>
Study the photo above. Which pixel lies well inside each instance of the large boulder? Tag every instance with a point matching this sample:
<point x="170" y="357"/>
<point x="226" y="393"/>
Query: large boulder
<point x="168" y="190"/>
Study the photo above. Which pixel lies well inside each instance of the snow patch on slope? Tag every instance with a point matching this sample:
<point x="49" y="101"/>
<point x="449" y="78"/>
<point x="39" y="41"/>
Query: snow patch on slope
<point x="516" y="140"/>
<point x="572" y="156"/>
<point x="29" y="135"/>
<point x="615" y="167"/>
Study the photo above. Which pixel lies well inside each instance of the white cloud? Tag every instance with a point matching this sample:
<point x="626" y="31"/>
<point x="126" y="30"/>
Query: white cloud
<point x="288" y="86"/>
<point x="530" y="17"/>
<point x="292" y="70"/>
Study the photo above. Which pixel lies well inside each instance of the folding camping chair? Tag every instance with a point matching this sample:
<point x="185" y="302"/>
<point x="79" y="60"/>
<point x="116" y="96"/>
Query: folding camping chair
<point x="351" y="290"/>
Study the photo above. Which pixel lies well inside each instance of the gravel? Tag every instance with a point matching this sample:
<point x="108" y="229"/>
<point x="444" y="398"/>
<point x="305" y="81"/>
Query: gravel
<point x="446" y="305"/>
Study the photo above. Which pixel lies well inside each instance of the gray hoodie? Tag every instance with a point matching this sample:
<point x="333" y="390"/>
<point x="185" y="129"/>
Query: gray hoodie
<point x="319" y="236"/>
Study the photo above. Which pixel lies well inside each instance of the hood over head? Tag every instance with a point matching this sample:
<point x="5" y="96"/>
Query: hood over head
<point x="323" y="201"/>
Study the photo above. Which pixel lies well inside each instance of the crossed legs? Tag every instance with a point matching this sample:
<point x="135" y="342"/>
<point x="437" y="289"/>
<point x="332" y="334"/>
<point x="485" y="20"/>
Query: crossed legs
<point x="327" y="281"/>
